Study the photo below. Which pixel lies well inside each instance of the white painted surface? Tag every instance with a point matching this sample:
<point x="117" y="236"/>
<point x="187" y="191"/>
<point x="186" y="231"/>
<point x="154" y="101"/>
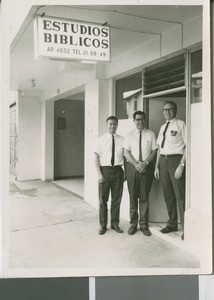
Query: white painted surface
<point x="29" y="138"/>
<point x="192" y="33"/>
<point x="156" y="48"/>
<point x="91" y="135"/>
<point x="206" y="287"/>
<point x="47" y="140"/>
<point x="92" y="288"/>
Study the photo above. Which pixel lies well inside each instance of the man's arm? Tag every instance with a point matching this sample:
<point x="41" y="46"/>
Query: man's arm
<point x="130" y="158"/>
<point x="181" y="166"/>
<point x="157" y="170"/>
<point x="97" y="165"/>
<point x="151" y="156"/>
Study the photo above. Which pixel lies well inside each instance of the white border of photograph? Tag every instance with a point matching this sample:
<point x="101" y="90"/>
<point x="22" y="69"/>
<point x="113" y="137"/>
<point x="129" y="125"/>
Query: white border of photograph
<point x="16" y="11"/>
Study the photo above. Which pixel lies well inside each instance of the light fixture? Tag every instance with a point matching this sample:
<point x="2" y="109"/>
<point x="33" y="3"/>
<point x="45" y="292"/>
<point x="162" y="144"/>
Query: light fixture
<point x="33" y="84"/>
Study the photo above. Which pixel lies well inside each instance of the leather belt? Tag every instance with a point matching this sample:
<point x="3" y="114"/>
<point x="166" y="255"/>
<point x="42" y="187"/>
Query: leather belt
<point x="118" y="166"/>
<point x="171" y="155"/>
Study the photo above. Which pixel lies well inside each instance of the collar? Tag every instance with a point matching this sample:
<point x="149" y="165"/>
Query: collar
<point x="110" y="135"/>
<point x="138" y="131"/>
<point x="171" y="121"/>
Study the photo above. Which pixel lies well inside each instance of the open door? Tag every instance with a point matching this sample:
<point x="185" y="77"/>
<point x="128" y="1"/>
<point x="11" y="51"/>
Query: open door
<point x="154" y="107"/>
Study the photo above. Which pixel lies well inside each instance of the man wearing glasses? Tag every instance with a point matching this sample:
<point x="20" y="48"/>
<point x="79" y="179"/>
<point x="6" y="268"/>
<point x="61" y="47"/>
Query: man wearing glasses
<point x="170" y="165"/>
<point x="139" y="150"/>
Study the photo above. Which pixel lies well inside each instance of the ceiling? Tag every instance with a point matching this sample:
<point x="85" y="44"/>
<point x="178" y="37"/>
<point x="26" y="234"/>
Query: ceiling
<point x="130" y="26"/>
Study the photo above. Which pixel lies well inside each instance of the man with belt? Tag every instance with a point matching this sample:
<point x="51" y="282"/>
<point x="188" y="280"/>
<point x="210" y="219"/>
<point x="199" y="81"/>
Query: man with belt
<point x="170" y="165"/>
<point x="139" y="150"/>
<point x="108" y="161"/>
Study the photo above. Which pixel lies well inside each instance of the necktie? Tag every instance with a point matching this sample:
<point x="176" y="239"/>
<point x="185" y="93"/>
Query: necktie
<point x="140" y="147"/>
<point x="164" y="134"/>
<point x="113" y="150"/>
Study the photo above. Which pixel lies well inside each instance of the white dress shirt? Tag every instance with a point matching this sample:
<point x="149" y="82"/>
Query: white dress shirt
<point x="175" y="137"/>
<point x="104" y="149"/>
<point x="148" y="143"/>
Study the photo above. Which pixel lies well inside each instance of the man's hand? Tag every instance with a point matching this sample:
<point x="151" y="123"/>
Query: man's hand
<point x="157" y="173"/>
<point x="100" y="178"/>
<point x="141" y="166"/>
<point x="178" y="172"/>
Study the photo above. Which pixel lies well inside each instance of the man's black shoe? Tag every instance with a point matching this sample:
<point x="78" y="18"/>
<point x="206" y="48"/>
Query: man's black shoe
<point x="117" y="229"/>
<point x="102" y="230"/>
<point x="168" y="229"/>
<point x="182" y="237"/>
<point x="146" y="231"/>
<point x="132" y="230"/>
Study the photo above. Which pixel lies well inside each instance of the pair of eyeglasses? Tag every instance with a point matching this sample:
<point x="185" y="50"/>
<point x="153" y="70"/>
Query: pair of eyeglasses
<point x="138" y="120"/>
<point x="168" y="109"/>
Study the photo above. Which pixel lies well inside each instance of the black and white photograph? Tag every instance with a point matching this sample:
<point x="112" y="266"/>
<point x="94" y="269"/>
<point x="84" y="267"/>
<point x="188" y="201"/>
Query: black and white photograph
<point x="107" y="138"/>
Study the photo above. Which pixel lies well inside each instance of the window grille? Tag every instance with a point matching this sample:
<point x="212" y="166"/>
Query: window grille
<point x="164" y="76"/>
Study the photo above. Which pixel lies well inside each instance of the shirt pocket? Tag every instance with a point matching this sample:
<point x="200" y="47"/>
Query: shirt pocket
<point x="173" y="136"/>
<point x="148" y="144"/>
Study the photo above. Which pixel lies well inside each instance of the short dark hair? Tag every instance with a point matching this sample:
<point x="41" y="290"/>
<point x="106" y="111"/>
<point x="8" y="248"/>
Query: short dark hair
<point x="172" y="103"/>
<point x="139" y="112"/>
<point x="112" y="118"/>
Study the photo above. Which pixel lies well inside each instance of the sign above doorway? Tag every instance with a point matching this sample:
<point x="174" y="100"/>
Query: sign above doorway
<point x="65" y="39"/>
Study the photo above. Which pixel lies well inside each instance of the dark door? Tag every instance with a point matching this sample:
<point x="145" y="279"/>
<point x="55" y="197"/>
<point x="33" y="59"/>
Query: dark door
<point x="69" y="139"/>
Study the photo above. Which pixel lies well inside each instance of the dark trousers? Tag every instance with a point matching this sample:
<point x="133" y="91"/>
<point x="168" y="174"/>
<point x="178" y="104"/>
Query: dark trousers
<point x="139" y="186"/>
<point x="174" y="190"/>
<point x="113" y="182"/>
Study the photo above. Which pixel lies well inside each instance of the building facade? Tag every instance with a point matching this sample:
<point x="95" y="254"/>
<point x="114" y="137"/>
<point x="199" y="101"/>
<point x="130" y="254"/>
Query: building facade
<point x="58" y="107"/>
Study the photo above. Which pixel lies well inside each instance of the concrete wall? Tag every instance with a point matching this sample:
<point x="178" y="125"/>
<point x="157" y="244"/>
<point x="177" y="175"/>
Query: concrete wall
<point x="170" y="42"/>
<point x="91" y="134"/>
<point x="29" y="138"/>
<point x="47" y="140"/>
<point x="62" y="82"/>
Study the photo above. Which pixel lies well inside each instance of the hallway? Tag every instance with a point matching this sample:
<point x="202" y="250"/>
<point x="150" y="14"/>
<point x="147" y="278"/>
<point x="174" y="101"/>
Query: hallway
<point x="51" y="227"/>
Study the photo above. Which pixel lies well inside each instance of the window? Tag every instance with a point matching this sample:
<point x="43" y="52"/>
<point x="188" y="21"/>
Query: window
<point x="127" y="91"/>
<point x="164" y="76"/>
<point x="196" y="76"/>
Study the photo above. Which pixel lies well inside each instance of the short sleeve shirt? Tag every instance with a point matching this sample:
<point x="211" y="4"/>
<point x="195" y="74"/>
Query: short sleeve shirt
<point x="175" y="138"/>
<point x="104" y="149"/>
<point x="148" y="143"/>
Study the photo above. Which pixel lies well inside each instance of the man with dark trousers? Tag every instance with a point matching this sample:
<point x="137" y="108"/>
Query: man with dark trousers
<point x="108" y="161"/>
<point x="170" y="165"/>
<point x="139" y="150"/>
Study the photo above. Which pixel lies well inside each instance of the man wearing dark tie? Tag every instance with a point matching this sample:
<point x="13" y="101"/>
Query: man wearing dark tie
<point x="139" y="150"/>
<point x="108" y="161"/>
<point x="170" y="165"/>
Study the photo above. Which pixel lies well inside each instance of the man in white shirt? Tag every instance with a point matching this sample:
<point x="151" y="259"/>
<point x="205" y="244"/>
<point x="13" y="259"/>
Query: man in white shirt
<point x="108" y="161"/>
<point x="170" y="165"/>
<point x="139" y="150"/>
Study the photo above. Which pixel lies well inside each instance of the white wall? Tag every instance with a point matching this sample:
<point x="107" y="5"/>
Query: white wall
<point x="61" y="82"/>
<point x="47" y="140"/>
<point x="91" y="134"/>
<point x="156" y="48"/>
<point x="29" y="138"/>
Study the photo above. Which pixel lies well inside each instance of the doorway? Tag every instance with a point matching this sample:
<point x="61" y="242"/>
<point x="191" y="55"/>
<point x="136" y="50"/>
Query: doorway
<point x="69" y="138"/>
<point x="154" y="106"/>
